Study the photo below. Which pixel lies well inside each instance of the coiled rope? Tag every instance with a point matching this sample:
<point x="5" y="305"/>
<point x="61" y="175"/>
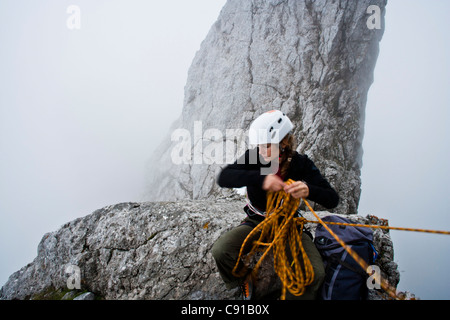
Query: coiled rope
<point x="281" y="231"/>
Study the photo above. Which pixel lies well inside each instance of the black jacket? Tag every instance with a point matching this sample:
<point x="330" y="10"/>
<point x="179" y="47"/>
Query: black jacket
<point x="243" y="173"/>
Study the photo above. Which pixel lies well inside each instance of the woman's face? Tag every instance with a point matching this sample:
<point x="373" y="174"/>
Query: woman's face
<point x="269" y="151"/>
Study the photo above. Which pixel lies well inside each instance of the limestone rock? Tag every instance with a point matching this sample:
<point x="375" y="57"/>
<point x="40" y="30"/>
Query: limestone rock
<point x="134" y="251"/>
<point x="148" y="250"/>
<point x="313" y="60"/>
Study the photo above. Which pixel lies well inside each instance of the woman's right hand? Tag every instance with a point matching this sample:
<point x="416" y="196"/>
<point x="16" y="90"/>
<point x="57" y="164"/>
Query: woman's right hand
<point x="273" y="183"/>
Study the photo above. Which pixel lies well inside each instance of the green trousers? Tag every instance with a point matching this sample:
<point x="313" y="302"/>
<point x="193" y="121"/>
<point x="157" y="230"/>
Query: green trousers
<point x="226" y="252"/>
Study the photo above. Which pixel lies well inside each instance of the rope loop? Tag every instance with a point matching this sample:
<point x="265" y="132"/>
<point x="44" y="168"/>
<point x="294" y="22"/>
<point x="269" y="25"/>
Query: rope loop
<point x="281" y="231"/>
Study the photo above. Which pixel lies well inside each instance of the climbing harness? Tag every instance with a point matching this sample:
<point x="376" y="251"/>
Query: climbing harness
<point x="282" y="229"/>
<point x="253" y="208"/>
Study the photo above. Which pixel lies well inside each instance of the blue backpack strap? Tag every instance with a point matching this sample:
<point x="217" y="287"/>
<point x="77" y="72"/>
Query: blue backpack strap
<point x="375" y="253"/>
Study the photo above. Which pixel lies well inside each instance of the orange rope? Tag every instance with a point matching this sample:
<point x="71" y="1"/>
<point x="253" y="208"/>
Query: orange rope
<point x="384" y="284"/>
<point x="382" y="227"/>
<point x="281" y="231"/>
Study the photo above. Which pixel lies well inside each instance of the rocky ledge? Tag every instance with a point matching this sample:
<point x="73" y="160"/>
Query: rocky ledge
<point x="151" y="250"/>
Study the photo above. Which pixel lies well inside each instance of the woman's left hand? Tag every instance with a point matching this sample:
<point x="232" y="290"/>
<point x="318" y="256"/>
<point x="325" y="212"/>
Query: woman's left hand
<point x="298" y="189"/>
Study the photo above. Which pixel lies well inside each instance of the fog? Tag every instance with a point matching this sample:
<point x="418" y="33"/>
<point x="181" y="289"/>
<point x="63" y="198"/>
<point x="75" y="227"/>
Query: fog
<point x="406" y="144"/>
<point x="82" y="110"/>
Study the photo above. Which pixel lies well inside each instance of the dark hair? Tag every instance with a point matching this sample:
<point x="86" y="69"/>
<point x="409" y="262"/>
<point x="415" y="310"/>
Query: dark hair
<point x="287" y="153"/>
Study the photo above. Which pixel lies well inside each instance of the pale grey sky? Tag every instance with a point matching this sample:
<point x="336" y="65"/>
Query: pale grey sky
<point x="407" y="142"/>
<point x="77" y="110"/>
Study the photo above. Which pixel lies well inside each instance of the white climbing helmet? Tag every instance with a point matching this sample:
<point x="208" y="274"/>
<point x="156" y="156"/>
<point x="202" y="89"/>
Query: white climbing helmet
<point x="270" y="127"/>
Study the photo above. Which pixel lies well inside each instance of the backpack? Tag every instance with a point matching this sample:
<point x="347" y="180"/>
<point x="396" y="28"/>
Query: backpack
<point x="344" y="277"/>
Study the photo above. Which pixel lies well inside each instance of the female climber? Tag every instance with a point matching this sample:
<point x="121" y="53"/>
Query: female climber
<point x="263" y="169"/>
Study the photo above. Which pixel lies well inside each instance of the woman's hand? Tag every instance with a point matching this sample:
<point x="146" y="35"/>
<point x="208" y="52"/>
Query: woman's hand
<point x="298" y="189"/>
<point x="273" y="183"/>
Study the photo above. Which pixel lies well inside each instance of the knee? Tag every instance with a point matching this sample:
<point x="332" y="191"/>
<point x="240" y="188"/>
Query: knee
<point x="217" y="250"/>
<point x="319" y="273"/>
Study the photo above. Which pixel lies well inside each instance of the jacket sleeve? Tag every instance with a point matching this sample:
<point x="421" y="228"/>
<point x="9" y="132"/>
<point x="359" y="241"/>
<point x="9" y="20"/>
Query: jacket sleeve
<point x="241" y="173"/>
<point x="320" y="190"/>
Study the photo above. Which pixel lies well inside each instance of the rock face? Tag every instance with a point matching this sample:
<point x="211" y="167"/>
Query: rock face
<point x="158" y="250"/>
<point x="313" y="60"/>
<point x="133" y="251"/>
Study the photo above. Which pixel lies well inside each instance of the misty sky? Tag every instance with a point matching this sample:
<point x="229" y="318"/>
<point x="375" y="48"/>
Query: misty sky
<point x="82" y="110"/>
